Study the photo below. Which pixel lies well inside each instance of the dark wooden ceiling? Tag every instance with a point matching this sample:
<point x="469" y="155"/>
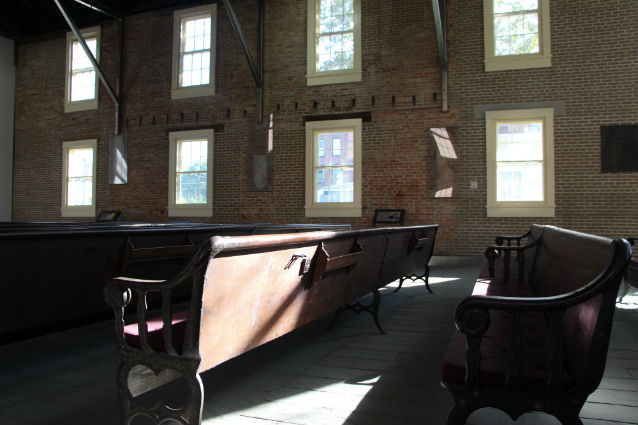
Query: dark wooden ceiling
<point x="24" y="18"/>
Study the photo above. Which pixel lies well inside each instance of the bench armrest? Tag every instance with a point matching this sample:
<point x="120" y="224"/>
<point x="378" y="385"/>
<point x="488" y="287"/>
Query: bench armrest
<point x="508" y="239"/>
<point x="120" y="291"/>
<point x="492" y="252"/>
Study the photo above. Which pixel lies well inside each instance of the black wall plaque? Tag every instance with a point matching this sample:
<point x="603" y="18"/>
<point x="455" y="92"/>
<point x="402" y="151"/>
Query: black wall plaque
<point x="619" y="148"/>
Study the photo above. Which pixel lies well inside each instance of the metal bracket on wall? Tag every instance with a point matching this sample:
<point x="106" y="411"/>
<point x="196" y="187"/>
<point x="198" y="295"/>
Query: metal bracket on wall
<point x="118" y="168"/>
<point x="438" y="8"/>
<point x="114" y="93"/>
<point x="258" y="75"/>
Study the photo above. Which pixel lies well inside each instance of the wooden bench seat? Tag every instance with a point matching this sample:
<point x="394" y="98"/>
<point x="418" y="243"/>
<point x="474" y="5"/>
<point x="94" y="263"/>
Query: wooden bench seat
<point x="246" y="291"/>
<point x="534" y="334"/>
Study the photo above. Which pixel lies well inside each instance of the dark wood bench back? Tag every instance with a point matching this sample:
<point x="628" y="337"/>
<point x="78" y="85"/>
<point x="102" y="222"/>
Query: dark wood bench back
<point x="568" y="261"/>
<point x="281" y="282"/>
<point x="407" y="250"/>
<point x="248" y="290"/>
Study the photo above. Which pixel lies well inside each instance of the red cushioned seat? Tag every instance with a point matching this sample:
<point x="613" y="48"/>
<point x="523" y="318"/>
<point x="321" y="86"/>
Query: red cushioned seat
<point x="155" y="332"/>
<point x="534" y="341"/>
<point x="534" y="370"/>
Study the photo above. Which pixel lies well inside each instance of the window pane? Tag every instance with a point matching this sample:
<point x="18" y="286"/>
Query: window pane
<point x="516" y="34"/>
<point x="80" y="191"/>
<point x="519" y="182"/>
<point x="337" y="185"/>
<point x="191" y="171"/>
<point x="82" y="85"/>
<point x="519" y="141"/>
<point x="80" y="162"/>
<point x="335" y="52"/>
<point x="79" y="60"/>
<point x="320" y="176"/>
<point x="505" y="6"/>
<point x="80" y="177"/>
<point x="82" y="75"/>
<point x="335" y="35"/>
<point x="339" y="148"/>
<point x="195" y="51"/>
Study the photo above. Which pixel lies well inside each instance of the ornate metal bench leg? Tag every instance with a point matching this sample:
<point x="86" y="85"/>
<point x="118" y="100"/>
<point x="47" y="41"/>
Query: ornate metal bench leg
<point x="400" y="283"/>
<point x="372" y="308"/>
<point x="427" y="278"/>
<point x="375" y="309"/>
<point x="414" y="277"/>
<point x="336" y="317"/>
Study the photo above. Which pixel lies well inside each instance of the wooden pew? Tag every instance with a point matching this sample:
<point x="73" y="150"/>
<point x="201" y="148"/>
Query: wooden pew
<point x="534" y="334"/>
<point x="53" y="274"/>
<point x="246" y="291"/>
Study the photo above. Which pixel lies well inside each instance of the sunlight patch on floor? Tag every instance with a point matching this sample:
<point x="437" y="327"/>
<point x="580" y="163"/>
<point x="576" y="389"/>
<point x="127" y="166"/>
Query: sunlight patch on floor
<point x="629" y="301"/>
<point x="433" y="280"/>
<point x="334" y="403"/>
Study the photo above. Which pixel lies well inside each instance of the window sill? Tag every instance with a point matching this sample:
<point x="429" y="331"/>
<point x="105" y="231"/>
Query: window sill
<point x="190" y="211"/>
<point x="332" y="211"/>
<point x="334" y="77"/>
<point x="195" y="91"/>
<point x="504" y="63"/>
<point x="78" y="211"/>
<point x="520" y="211"/>
<point x="81" y="105"/>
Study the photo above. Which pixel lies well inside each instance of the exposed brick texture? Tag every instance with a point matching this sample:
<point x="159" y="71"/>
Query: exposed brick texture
<point x="594" y="72"/>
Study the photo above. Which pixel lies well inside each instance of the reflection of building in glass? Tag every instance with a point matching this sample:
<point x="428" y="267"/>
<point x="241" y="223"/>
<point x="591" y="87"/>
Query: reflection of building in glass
<point x="334" y="176"/>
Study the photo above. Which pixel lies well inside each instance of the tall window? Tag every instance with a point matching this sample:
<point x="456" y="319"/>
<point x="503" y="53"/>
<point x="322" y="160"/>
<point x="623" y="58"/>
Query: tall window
<point x="334" y="41"/>
<point x="190" y="173"/>
<point x="520" y="168"/>
<point x="516" y="34"/>
<point x="194" y="51"/>
<point x="81" y="79"/>
<point x="78" y="186"/>
<point x="333" y="181"/>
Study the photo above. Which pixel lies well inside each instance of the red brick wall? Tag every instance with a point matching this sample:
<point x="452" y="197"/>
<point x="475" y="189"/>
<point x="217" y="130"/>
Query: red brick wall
<point x="594" y="73"/>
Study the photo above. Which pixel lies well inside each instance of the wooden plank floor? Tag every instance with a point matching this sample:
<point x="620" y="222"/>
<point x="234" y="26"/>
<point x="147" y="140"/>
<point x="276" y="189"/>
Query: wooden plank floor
<point x="314" y="376"/>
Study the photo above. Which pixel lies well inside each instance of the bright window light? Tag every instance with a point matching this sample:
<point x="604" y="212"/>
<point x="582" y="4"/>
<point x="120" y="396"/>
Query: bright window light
<point x="195" y="51"/>
<point x="80" y="177"/>
<point x="191" y="174"/>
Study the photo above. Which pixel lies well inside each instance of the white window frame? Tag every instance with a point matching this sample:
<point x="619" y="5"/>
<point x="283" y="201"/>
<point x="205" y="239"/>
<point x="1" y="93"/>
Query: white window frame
<point x="190" y="210"/>
<point x="545" y="208"/>
<point x="331" y="77"/>
<point x="77" y="210"/>
<point x="332" y="209"/>
<point x="542" y="59"/>
<point x="178" y="92"/>
<point x="88" y="104"/>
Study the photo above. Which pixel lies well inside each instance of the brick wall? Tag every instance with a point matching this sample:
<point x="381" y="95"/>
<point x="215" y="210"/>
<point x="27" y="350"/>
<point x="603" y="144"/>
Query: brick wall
<point x="594" y="73"/>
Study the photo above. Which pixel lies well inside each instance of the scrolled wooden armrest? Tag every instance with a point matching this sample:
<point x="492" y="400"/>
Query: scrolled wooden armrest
<point x="493" y="251"/>
<point x="515" y="248"/>
<point x="533" y="304"/>
<point x="499" y="239"/>
<point x="139" y="284"/>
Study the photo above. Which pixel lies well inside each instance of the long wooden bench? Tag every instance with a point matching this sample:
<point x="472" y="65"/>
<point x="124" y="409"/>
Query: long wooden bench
<point x="534" y="334"/>
<point x="53" y="274"/>
<point x="246" y="291"/>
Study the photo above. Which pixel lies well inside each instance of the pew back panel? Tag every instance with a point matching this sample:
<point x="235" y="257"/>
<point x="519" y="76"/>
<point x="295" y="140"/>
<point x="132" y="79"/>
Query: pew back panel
<point x="246" y="291"/>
